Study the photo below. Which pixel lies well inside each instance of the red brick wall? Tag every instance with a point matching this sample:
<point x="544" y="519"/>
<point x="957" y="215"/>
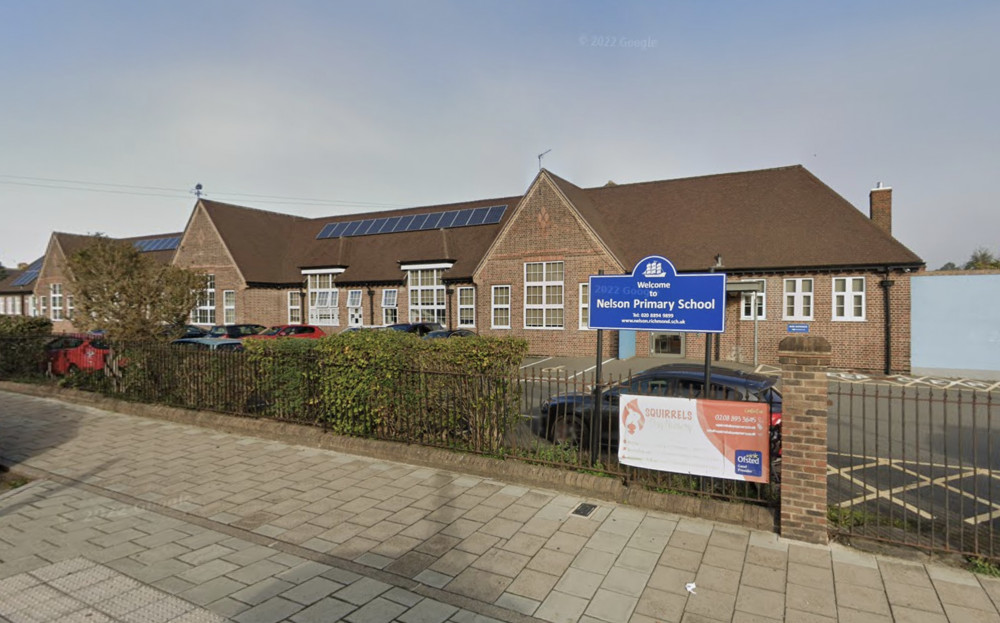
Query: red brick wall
<point x="54" y="271"/>
<point x="203" y="251"/>
<point x="544" y="229"/>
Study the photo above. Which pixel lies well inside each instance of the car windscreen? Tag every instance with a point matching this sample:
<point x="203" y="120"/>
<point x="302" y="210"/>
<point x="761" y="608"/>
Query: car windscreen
<point x="272" y="331"/>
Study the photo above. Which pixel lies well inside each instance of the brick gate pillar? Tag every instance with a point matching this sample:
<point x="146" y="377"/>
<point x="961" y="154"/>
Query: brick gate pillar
<point x="804" y="361"/>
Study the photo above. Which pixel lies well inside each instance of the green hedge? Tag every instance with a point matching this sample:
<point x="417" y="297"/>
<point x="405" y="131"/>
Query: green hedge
<point x="460" y="392"/>
<point x="22" y="346"/>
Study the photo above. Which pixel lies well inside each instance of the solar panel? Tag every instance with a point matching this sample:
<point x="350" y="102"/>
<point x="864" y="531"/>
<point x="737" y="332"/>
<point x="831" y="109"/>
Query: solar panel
<point x="495" y="214"/>
<point x="462" y="218"/>
<point x="466" y="217"/>
<point x="25" y="278"/>
<point x="447" y="219"/>
<point x="159" y="244"/>
<point x="404" y="223"/>
<point x="364" y="227"/>
<point x="433" y="220"/>
<point x="478" y="216"/>
<point x="418" y="222"/>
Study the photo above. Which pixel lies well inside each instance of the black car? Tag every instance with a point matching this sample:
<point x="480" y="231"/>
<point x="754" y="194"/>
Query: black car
<point x="564" y="419"/>
<point x="235" y="331"/>
<point x="419" y="328"/>
<point x="449" y="333"/>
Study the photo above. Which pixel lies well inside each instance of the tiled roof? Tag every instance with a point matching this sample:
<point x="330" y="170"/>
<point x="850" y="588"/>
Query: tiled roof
<point x="773" y="219"/>
<point x="779" y="219"/>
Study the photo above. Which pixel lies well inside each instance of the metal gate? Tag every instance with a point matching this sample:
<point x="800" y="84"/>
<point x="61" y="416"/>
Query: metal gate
<point x="915" y="465"/>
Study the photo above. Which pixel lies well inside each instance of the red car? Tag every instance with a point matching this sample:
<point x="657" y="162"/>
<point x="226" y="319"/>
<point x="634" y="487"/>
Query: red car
<point x="307" y="331"/>
<point x="70" y="353"/>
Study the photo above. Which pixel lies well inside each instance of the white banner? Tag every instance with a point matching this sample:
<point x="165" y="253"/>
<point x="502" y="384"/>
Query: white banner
<point x="718" y="438"/>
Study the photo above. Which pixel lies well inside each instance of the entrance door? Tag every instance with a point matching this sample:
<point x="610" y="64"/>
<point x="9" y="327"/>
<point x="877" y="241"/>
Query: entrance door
<point x="667" y="344"/>
<point x="355" y="316"/>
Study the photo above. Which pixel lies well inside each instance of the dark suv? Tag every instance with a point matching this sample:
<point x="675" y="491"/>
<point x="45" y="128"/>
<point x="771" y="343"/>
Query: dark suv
<point x="565" y="418"/>
<point x="235" y="331"/>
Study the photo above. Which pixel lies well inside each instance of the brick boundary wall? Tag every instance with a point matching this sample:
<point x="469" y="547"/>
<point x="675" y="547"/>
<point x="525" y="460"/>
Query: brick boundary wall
<point x="804" y="361"/>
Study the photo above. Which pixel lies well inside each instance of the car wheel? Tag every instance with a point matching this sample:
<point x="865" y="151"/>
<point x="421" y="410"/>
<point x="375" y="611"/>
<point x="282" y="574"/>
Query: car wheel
<point x="72" y="369"/>
<point x="566" y="429"/>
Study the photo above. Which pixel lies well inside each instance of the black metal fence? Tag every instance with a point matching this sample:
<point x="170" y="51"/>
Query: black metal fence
<point x="918" y="466"/>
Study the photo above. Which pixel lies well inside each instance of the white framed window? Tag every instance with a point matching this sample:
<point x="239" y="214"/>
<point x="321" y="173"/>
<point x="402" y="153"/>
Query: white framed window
<point x="849" y="298"/>
<point x="390" y="313"/>
<point x="294" y="307"/>
<point x="43" y="305"/>
<point x="229" y="307"/>
<point x="500" y="308"/>
<point x="543" y="295"/>
<point x="324" y="300"/>
<point x="466" y="306"/>
<point x="748" y="299"/>
<point x="355" y="314"/>
<point x="204" y="313"/>
<point x="33" y="306"/>
<point x="584" y="305"/>
<point x="798" y="299"/>
<point x="56" y="295"/>
<point x="69" y="307"/>
<point x="427" y="295"/>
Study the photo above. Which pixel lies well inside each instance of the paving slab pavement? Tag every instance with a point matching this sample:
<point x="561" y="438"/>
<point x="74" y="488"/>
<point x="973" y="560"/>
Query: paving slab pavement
<point x="135" y="519"/>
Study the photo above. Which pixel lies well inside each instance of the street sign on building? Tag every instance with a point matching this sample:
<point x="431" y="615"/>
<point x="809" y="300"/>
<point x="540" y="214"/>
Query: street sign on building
<point x="655" y="298"/>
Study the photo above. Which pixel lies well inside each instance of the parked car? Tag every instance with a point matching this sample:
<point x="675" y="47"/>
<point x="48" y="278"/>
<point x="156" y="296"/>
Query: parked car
<point x="307" y="331"/>
<point x="420" y="328"/>
<point x="209" y="343"/>
<point x="177" y="331"/>
<point x="449" y="333"/>
<point x="68" y="353"/>
<point x="564" y="418"/>
<point x="235" y="331"/>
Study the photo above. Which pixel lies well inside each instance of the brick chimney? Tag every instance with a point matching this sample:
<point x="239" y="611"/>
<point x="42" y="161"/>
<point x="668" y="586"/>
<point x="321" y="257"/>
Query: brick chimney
<point x="880" y="207"/>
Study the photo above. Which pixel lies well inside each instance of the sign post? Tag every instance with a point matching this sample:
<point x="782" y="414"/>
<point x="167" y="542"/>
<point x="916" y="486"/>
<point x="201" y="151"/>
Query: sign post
<point x="655" y="298"/>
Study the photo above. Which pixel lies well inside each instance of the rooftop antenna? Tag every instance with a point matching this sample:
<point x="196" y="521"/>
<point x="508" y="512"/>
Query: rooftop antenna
<point x="198" y="192"/>
<point x="540" y="158"/>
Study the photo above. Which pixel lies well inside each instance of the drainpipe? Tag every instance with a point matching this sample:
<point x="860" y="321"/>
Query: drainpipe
<point x="886" y="284"/>
<point x="371" y="306"/>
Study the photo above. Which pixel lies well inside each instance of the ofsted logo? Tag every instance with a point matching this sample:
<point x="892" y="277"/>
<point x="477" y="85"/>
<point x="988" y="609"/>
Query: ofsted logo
<point x="749" y="463"/>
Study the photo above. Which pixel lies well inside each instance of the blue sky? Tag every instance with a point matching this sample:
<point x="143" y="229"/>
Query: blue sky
<point x="364" y="106"/>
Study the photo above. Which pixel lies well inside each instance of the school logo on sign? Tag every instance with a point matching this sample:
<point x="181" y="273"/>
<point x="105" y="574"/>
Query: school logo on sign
<point x="632" y="418"/>
<point x="749" y="463"/>
<point x="654" y="269"/>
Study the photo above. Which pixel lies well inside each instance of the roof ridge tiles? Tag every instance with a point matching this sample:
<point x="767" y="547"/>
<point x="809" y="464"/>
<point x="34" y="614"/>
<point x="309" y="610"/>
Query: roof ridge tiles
<point x="693" y="177"/>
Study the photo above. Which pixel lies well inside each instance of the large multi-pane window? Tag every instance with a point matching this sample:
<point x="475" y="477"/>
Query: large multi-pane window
<point x="204" y="313"/>
<point x="849" y="298"/>
<point x="466" y="307"/>
<point x="749" y="299"/>
<point x="294" y="307"/>
<point x="543" y="295"/>
<point x="56" y="294"/>
<point x="229" y="306"/>
<point x="500" y="308"/>
<point x="798" y="299"/>
<point x="427" y="295"/>
<point x="324" y="300"/>
<point x="390" y="312"/>
<point x="584" y="305"/>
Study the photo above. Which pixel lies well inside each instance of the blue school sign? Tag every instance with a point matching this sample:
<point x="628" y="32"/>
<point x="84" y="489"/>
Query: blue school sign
<point x="655" y="298"/>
